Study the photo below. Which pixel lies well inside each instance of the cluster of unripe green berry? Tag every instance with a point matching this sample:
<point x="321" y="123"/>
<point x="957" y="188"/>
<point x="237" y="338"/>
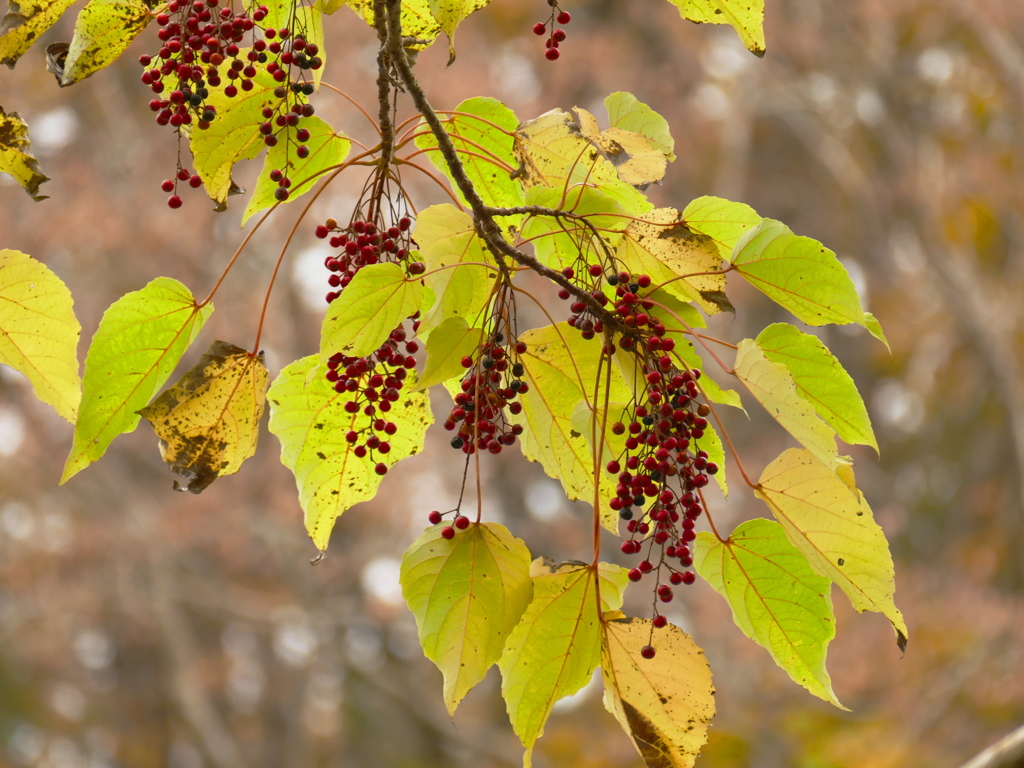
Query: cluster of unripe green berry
<point x="557" y="33"/>
<point x="490" y="387"/>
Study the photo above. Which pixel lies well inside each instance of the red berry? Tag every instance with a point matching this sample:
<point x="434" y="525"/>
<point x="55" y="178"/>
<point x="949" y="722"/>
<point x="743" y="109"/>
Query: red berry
<point x="174" y="201"/>
<point x="539" y="28"/>
<point x="558" y="35"/>
<point x="689" y="577"/>
<point x="448" y="532"/>
<point x="564" y="17"/>
<point x="434" y="517"/>
<point x="635" y="574"/>
<point x="647" y="652"/>
<point x="659" y="621"/>
<point x="381" y="469"/>
<point x="462" y="523"/>
<point x="551" y="54"/>
<point x="167" y="186"/>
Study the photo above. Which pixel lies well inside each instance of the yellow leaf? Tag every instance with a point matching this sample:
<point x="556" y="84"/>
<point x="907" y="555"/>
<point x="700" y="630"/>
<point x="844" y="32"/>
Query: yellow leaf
<point x="553" y="151"/>
<point x="664" y="703"/>
<point x="745" y="16"/>
<point x="39" y="332"/>
<point x="829" y="521"/>
<point x="24" y="23"/>
<point x="103" y="30"/>
<point x="636" y="159"/>
<point x="15" y="159"/>
<point x="554" y="650"/>
<point x="209" y="421"/>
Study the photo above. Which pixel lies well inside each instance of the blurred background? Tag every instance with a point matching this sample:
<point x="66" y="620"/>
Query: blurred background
<point x="141" y="627"/>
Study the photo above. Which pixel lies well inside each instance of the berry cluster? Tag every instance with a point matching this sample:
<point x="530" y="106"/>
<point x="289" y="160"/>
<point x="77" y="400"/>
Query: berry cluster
<point x="460" y="523"/>
<point x="557" y="34"/>
<point x="492" y="383"/>
<point x="363" y="243"/>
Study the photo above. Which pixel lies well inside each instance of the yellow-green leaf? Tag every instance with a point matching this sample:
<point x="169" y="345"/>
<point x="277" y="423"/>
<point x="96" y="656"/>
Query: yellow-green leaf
<point x="446" y="346"/>
<point x="687" y="263"/>
<point x="745" y="16"/>
<point x="638" y="162"/>
<point x="828" y="520"/>
<point x="799" y="274"/>
<point x="821" y="379"/>
<point x="309" y="419"/>
<point x="553" y="152"/>
<point x="467" y="594"/>
<point x="776" y="598"/>
<point x="103" y="30"/>
<point x="376" y="302"/>
<point x="39" y="331"/>
<point x="24" y="23"/>
<point x="419" y="27"/>
<point x="141" y="338"/>
<point x="664" y="704"/>
<point x="481" y="130"/>
<point x="208" y="422"/>
<point x="553" y="651"/>
<point x="773" y="386"/>
<point x="627" y="113"/>
<point x="455" y="258"/>
<point x="326" y="150"/>
<point x="15" y="158"/>
<point x="561" y="371"/>
<point x="299" y="18"/>
<point x="233" y="135"/>
<point x="449" y="14"/>
<point x="723" y="221"/>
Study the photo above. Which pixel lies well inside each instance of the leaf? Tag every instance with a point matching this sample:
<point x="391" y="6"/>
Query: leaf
<point x="24" y="23"/>
<point x="376" y="302"/>
<point x="553" y="152"/>
<point x="466" y="594"/>
<point x="39" y="331"/>
<point x="233" y="135"/>
<point x="773" y="386"/>
<point x="828" y="520"/>
<point x="481" y="130"/>
<point x="723" y="221"/>
<point x="799" y="274"/>
<point x="419" y="27"/>
<point x="745" y="16"/>
<point x="686" y="264"/>
<point x="15" y="158"/>
<point x="209" y="421"/>
<point x="559" y="363"/>
<point x="309" y="419"/>
<point x="776" y="598"/>
<point x="446" y="346"/>
<point x="298" y="18"/>
<point x="326" y="150"/>
<point x="821" y="379"/>
<point x="449" y="14"/>
<point x="638" y="162"/>
<point x="103" y="30"/>
<point x="141" y="338"/>
<point x="875" y="328"/>
<point x="666" y="703"/>
<point x="554" y="650"/>
<point x="447" y="238"/>
<point x="627" y="113"/>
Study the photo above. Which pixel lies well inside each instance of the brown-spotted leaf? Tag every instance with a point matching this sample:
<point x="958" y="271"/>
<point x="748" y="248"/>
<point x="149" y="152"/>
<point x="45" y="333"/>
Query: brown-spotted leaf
<point x="24" y="23"/>
<point x="209" y="421"/>
<point x="103" y="30"/>
<point x="666" y="703"/>
<point x="15" y="158"/>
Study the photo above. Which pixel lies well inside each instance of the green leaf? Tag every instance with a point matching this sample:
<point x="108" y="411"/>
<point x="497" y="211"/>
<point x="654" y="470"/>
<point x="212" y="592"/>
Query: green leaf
<point x="561" y="371"/>
<point x="447" y="238"/>
<point x="326" y="150"/>
<point x="723" y="221"/>
<point x="376" y="302"/>
<point x="828" y="520"/>
<point x="799" y="274"/>
<point x="875" y="328"/>
<point x="103" y="30"/>
<point x="140" y="340"/>
<point x="449" y="14"/>
<point x="773" y="386"/>
<point x="467" y="594"/>
<point x="15" y="158"/>
<point x="419" y="27"/>
<point x="233" y="135"/>
<point x="745" y="16"/>
<point x="554" y="650"/>
<point x="664" y="704"/>
<point x="310" y="421"/>
<point x="627" y="113"/>
<point x="39" y="331"/>
<point x="686" y="264"/>
<point x="821" y="379"/>
<point x="446" y="346"/>
<point x="481" y="130"/>
<point x="209" y="421"/>
<point x="24" y="23"/>
<point x="776" y="598"/>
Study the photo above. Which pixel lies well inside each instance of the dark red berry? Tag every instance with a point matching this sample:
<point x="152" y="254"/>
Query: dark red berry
<point x="539" y="28"/>
<point x="434" y="517"/>
<point x="551" y="54"/>
<point x="563" y="17"/>
<point x="647" y="652"/>
<point x="448" y="532"/>
<point x="174" y="201"/>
